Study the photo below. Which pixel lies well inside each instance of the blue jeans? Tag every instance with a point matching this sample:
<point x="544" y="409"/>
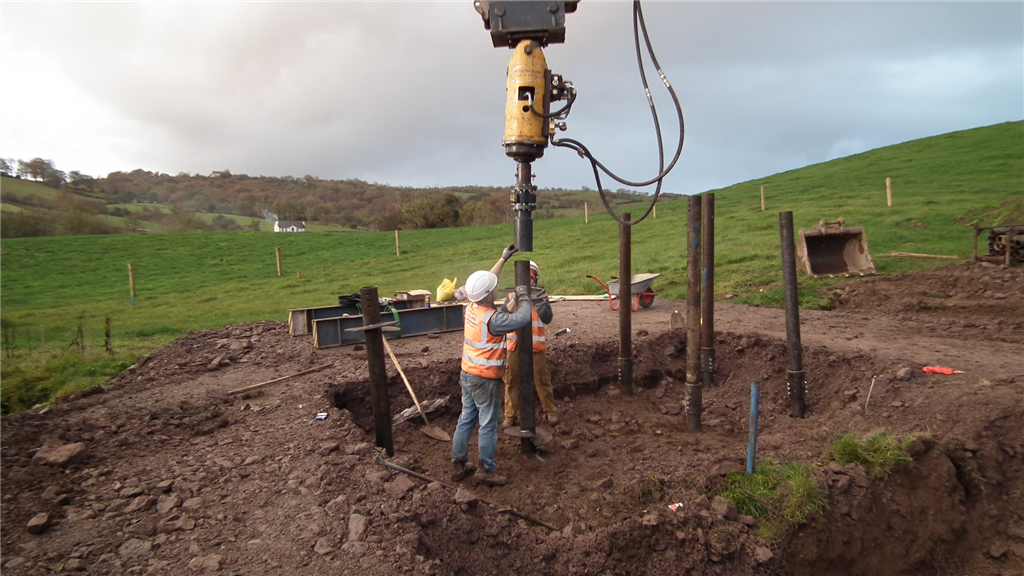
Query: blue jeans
<point x="481" y="401"/>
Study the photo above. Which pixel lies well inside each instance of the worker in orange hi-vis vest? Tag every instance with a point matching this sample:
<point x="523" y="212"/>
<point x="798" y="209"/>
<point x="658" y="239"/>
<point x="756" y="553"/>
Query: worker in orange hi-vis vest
<point x="483" y="366"/>
<point x="541" y="375"/>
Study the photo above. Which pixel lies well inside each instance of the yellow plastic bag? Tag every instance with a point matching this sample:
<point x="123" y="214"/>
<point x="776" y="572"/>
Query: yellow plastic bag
<point x="446" y="291"/>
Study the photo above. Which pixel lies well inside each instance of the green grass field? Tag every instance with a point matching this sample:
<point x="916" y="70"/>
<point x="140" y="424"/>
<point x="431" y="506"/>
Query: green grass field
<point x="195" y="281"/>
<point x="26" y="188"/>
<point x="208" y="217"/>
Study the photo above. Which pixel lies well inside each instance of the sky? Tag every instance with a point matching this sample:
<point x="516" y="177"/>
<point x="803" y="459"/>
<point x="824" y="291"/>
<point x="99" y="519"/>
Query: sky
<point x="413" y="93"/>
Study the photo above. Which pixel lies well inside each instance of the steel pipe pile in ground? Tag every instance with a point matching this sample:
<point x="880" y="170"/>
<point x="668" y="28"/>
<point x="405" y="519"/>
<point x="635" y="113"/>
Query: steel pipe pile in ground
<point x="707" y="290"/>
<point x="625" y="298"/>
<point x="378" y="374"/>
<point x="796" y="384"/>
<point x="694" y="398"/>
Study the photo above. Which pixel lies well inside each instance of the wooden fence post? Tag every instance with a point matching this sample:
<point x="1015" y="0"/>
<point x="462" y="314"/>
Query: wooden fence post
<point x="398" y="245"/>
<point x="278" y="250"/>
<point x="586" y="214"/>
<point x="888" y="191"/>
<point x="131" y="279"/>
<point x="762" y="198"/>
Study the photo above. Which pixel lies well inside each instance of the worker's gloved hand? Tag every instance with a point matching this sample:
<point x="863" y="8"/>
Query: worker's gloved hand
<point x="509" y="251"/>
<point x="538" y="294"/>
<point x="522" y="292"/>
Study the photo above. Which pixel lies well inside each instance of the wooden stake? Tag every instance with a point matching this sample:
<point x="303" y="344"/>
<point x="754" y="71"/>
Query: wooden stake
<point x="586" y="214"/>
<point x="913" y="255"/>
<point x="131" y="279"/>
<point x="762" y="198"/>
<point x="655" y="211"/>
<point x="261" y="384"/>
<point x="398" y="245"/>
<point x="888" y="191"/>
<point x="278" y="250"/>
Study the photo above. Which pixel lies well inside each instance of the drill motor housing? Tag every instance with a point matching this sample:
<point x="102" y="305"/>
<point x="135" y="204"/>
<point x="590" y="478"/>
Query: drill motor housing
<point x="526" y="133"/>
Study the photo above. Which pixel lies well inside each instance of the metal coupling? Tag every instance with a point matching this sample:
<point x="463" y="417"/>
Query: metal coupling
<point x="523" y="200"/>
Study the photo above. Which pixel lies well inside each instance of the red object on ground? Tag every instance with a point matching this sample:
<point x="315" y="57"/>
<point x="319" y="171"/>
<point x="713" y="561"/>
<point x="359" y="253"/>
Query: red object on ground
<point x="940" y="370"/>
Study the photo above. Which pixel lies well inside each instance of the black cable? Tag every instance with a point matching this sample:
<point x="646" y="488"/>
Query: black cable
<point x="564" y="111"/>
<point x="638" y="25"/>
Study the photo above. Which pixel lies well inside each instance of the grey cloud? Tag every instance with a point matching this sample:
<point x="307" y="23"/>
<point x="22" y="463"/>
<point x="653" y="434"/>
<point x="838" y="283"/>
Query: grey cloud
<point x="412" y="93"/>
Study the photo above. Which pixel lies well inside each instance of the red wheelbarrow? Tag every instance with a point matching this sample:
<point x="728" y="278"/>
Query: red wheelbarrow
<point x="639" y="289"/>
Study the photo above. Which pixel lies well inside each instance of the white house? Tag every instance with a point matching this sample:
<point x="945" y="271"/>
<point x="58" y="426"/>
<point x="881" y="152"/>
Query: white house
<point x="286" y="226"/>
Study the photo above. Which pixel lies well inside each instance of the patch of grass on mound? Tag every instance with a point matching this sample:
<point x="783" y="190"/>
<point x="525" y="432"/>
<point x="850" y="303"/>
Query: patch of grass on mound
<point x="780" y="497"/>
<point x="879" y="454"/>
<point x="46" y="378"/>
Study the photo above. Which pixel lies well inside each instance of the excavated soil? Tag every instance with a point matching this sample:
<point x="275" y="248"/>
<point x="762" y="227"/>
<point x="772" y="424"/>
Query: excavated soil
<point x="165" y="471"/>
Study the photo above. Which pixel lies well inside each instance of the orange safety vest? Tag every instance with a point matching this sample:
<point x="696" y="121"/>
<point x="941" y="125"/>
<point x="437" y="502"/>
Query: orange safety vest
<point x="483" y="354"/>
<point x="540" y="334"/>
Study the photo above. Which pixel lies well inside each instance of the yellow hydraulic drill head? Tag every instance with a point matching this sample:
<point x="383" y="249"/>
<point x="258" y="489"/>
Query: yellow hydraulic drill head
<point x="526" y="133"/>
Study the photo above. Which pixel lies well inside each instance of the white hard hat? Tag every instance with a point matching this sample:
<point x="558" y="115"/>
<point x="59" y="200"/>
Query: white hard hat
<point x="480" y="284"/>
<point x="534" y="267"/>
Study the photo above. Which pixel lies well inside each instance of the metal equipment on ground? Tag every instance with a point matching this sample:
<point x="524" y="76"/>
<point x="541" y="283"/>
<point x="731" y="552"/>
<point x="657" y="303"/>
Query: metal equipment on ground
<point x="539" y="437"/>
<point x="1005" y="244"/>
<point x="833" y="249"/>
<point x="300" y="320"/>
<point x="333" y="330"/>
<point x="640" y="289"/>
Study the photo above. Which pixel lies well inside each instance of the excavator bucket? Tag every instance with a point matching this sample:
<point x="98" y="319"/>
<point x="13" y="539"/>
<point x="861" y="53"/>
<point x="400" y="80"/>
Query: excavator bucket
<point x="832" y="249"/>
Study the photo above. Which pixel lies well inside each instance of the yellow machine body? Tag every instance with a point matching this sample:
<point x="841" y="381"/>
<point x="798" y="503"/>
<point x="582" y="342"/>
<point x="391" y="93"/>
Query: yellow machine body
<point x="526" y="85"/>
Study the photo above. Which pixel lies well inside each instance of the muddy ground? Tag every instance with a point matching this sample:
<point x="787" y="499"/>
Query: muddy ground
<point x="166" y="472"/>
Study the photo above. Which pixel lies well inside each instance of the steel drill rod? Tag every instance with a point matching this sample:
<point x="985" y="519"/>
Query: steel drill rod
<point x="625" y="307"/>
<point x="524" y="348"/>
<point x="796" y="384"/>
<point x="379" y="401"/>
<point x="694" y="399"/>
<point x="501" y="510"/>
<point x="707" y="291"/>
<point x="523" y="221"/>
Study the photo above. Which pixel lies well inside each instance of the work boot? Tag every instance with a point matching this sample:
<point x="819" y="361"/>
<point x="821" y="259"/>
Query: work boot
<point x="461" y="469"/>
<point x="553" y="419"/>
<point x="508" y="422"/>
<point x="490" y="478"/>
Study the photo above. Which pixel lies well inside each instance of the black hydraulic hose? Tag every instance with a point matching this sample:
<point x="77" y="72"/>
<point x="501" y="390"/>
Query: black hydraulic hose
<point x="638" y="17"/>
<point x="582" y="150"/>
<point x="638" y="25"/>
<point x="564" y="111"/>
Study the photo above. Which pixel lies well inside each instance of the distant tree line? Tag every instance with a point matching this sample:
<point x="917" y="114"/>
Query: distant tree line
<point x="40" y="170"/>
<point x="350" y="203"/>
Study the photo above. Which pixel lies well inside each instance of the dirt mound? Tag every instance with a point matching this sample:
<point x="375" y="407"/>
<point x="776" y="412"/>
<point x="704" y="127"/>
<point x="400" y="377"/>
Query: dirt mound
<point x="166" y="471"/>
<point x="969" y="295"/>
